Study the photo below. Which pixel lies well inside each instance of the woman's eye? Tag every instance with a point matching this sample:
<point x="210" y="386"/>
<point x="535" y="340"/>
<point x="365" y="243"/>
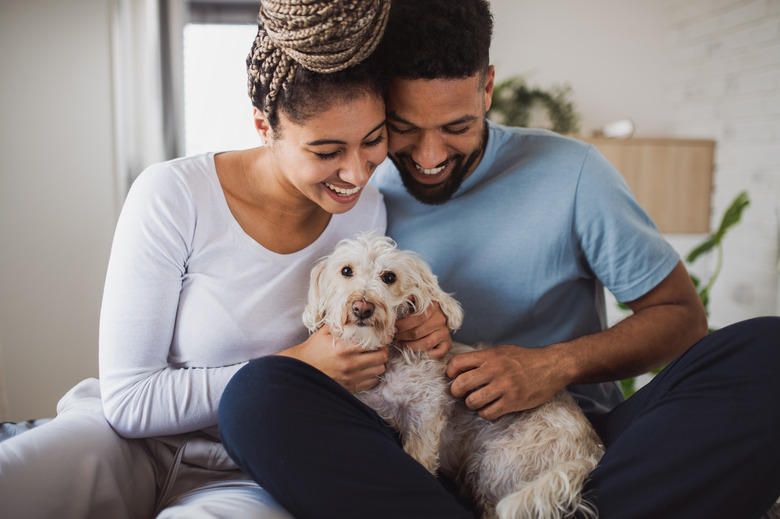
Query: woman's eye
<point x="376" y="142"/>
<point x="388" y="278"/>
<point x="327" y="156"/>
<point x="346" y="272"/>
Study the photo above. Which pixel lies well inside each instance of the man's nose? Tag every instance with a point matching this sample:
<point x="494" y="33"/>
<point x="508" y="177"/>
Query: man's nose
<point x="430" y="151"/>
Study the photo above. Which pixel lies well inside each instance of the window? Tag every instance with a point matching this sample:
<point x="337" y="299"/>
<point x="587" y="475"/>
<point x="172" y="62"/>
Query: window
<point x="217" y="110"/>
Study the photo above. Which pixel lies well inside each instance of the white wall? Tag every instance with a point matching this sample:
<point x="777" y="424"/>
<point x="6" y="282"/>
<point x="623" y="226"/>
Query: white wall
<point x="725" y="85"/>
<point x="614" y="54"/>
<point x="651" y="60"/>
<point x="57" y="210"/>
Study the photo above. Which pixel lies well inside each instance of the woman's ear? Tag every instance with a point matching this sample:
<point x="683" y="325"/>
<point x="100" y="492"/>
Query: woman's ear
<point x="262" y="125"/>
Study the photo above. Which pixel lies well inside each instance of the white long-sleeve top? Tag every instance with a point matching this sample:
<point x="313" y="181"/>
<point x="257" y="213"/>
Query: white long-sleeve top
<point x="190" y="298"/>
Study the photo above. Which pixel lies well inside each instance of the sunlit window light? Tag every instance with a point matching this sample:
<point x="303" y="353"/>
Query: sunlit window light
<point x="217" y="109"/>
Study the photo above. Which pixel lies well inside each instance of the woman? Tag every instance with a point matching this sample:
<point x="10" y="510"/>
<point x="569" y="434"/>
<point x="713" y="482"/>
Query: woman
<point x="209" y="269"/>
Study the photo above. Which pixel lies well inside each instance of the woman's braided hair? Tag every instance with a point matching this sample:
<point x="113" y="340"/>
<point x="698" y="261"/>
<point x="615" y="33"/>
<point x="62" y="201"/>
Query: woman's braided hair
<point x="302" y="40"/>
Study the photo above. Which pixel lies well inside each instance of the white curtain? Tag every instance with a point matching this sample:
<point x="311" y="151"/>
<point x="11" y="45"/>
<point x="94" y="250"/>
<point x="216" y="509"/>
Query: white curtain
<point x="147" y="79"/>
<point x="3" y="397"/>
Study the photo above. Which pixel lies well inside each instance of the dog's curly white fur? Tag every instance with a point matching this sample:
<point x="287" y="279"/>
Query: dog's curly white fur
<point x="523" y="465"/>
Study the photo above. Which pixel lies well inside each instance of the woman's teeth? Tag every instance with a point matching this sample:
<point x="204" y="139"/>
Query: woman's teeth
<point x="342" y="191"/>
<point x="432" y="171"/>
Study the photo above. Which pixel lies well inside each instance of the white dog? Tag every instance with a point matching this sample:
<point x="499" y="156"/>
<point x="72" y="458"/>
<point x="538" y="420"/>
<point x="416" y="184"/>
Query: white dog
<point x="531" y="464"/>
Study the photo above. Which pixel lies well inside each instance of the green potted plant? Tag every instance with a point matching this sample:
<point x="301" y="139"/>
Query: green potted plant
<point x="514" y="103"/>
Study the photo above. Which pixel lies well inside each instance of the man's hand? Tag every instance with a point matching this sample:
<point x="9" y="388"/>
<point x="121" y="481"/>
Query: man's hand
<point x="425" y="332"/>
<point x="355" y="370"/>
<point x="505" y="379"/>
<point x="666" y="321"/>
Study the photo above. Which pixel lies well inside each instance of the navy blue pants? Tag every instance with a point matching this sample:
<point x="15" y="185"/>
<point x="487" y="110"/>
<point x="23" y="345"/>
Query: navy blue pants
<point x="699" y="441"/>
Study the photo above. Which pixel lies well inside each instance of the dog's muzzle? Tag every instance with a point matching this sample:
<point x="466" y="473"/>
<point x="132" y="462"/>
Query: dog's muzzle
<point x="362" y="311"/>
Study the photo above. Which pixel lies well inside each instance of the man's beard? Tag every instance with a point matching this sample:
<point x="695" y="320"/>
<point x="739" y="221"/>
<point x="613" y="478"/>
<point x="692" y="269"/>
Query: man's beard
<point x="438" y="194"/>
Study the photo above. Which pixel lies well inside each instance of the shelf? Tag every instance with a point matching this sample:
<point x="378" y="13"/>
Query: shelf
<point x="671" y="178"/>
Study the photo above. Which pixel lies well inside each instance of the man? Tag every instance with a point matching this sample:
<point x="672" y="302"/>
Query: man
<point x="526" y="227"/>
<point x="549" y="217"/>
<point x="524" y="244"/>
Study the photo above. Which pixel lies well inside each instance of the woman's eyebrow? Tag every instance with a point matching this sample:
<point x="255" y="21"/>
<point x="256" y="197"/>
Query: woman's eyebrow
<point x="322" y="142"/>
<point x="378" y="126"/>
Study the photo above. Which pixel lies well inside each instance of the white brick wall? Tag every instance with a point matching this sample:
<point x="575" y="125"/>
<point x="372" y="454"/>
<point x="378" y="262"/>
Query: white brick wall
<point x="725" y="85"/>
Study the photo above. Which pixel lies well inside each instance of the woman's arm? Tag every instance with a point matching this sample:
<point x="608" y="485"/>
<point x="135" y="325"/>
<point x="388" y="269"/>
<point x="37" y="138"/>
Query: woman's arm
<point x="142" y="394"/>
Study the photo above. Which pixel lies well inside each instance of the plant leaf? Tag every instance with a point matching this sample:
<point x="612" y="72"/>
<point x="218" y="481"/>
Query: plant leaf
<point x="733" y="214"/>
<point x="730" y="218"/>
<point x="704" y="247"/>
<point x="629" y="386"/>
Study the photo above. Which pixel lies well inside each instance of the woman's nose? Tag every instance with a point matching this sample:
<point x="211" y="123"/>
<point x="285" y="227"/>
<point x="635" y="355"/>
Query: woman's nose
<point x="358" y="170"/>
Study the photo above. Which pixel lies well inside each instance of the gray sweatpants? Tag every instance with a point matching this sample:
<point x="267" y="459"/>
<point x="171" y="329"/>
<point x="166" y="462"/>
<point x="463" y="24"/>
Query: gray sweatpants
<point x="77" y="467"/>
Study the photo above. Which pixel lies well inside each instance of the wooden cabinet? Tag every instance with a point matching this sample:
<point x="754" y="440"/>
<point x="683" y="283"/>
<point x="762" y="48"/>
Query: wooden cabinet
<point x="671" y="178"/>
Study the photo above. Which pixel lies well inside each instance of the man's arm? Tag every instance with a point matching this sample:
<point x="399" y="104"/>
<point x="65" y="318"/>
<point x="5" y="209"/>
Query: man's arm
<point x="665" y="322"/>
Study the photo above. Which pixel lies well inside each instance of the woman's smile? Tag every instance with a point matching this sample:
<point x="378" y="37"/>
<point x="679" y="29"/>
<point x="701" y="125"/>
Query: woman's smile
<point x="343" y="194"/>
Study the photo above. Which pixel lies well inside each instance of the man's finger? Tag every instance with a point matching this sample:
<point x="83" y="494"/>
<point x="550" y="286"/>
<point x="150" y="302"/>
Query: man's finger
<point x="439" y="351"/>
<point x="464" y="362"/>
<point x="493" y="410"/>
<point x="468" y="381"/>
<point x="481" y="397"/>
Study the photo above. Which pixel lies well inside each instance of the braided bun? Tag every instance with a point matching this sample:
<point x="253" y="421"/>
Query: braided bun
<point x="321" y="36"/>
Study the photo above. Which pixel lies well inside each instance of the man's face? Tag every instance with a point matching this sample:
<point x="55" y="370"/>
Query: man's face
<point x="437" y="132"/>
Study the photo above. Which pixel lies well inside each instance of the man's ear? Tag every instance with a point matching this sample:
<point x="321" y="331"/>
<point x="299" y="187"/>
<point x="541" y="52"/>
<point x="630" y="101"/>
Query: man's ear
<point x="490" y="78"/>
<point x="261" y="124"/>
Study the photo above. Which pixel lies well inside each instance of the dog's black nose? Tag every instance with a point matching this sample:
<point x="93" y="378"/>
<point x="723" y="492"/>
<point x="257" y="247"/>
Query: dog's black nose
<point x="362" y="309"/>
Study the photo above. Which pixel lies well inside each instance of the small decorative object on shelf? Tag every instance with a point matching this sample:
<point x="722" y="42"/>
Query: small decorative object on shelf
<point x="622" y="129"/>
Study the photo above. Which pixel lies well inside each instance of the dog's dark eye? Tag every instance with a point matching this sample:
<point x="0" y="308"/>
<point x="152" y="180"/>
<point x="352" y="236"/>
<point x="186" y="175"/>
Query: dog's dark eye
<point x="346" y="272"/>
<point x="388" y="278"/>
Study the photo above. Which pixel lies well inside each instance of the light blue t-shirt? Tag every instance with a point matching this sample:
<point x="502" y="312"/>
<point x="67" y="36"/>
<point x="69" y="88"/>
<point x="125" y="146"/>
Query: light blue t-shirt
<point x="529" y="241"/>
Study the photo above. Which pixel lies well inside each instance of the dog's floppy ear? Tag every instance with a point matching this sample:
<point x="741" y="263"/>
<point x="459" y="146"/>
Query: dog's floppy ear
<point x="452" y="310"/>
<point x="314" y="313"/>
<point x="426" y="290"/>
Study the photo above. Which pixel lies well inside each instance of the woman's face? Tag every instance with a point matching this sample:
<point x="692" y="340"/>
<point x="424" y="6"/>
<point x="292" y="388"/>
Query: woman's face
<point x="329" y="157"/>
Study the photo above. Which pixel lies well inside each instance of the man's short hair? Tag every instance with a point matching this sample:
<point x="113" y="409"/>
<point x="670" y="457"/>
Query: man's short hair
<point x="437" y="39"/>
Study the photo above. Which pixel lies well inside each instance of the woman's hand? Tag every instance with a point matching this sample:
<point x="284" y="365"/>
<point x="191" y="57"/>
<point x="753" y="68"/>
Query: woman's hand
<point x="425" y="332"/>
<point x="353" y="369"/>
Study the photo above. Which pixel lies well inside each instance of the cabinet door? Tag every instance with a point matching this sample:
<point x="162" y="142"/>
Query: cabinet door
<point x="671" y="178"/>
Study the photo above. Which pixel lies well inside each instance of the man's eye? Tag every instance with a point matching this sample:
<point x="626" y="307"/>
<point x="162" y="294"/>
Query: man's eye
<point x="388" y="278"/>
<point x="346" y="272"/>
<point x="457" y="131"/>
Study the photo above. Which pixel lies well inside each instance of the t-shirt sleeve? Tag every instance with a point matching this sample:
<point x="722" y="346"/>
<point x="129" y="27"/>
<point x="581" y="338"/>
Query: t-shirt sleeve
<point x="142" y="395"/>
<point x="619" y="241"/>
